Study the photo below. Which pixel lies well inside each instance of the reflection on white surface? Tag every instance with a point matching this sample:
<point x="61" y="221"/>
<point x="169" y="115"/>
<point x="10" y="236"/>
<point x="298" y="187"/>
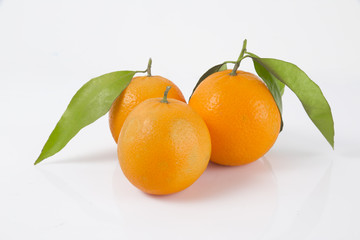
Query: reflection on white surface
<point x="309" y="212"/>
<point x="85" y="203"/>
<point x="224" y="198"/>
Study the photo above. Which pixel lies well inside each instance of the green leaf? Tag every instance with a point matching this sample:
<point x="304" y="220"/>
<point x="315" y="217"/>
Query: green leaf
<point x="91" y="101"/>
<point x="308" y="92"/>
<point x="214" y="69"/>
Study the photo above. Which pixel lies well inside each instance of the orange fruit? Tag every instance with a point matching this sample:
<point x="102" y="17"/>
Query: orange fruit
<point x="163" y="147"/>
<point x="241" y="114"/>
<point x="139" y="89"/>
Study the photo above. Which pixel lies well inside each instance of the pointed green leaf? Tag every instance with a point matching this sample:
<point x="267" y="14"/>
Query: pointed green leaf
<point x="308" y="92"/>
<point x="214" y="69"/>
<point x="91" y="101"/>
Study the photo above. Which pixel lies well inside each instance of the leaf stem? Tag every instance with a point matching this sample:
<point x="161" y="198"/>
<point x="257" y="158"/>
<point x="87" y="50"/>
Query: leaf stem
<point x="147" y="70"/>
<point x="164" y="100"/>
<point x="241" y="57"/>
<point x="229" y="62"/>
<point x="252" y="54"/>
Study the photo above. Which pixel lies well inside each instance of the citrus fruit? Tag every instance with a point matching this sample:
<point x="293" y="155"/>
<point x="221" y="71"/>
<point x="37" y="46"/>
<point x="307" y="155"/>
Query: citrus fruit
<point x="139" y="89"/>
<point x="164" y="146"/>
<point x="241" y="115"/>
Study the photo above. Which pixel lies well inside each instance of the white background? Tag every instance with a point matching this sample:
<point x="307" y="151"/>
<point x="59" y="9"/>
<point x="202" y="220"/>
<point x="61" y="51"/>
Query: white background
<point x="301" y="189"/>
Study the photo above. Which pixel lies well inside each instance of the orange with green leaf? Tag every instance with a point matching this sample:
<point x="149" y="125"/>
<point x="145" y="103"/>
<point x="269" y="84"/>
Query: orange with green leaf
<point x="243" y="119"/>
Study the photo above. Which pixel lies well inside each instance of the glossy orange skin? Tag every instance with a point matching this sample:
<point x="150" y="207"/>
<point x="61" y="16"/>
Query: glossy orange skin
<point x="139" y="89"/>
<point x="241" y="114"/>
<point x="163" y="148"/>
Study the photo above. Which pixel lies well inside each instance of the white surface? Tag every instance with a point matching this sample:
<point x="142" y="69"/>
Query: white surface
<point x="301" y="189"/>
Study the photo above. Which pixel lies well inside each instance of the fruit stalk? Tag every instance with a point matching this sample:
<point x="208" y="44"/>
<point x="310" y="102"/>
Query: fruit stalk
<point x="148" y="69"/>
<point x="164" y="100"/>
<point x="241" y="57"/>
